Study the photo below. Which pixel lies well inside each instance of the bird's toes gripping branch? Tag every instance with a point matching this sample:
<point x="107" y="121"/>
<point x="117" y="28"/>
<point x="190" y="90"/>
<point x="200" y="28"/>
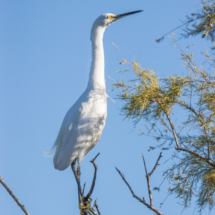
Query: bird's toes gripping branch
<point x="84" y="206"/>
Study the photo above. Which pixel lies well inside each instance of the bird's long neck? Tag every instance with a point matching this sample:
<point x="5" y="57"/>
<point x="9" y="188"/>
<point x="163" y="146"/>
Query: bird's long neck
<point x="96" y="78"/>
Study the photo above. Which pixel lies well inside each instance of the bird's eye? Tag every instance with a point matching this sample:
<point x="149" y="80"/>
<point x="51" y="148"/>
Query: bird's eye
<point x="111" y="16"/>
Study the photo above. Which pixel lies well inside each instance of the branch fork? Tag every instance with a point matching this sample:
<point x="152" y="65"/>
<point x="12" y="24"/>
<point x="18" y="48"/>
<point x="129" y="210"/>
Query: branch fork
<point x="148" y="175"/>
<point x="87" y="200"/>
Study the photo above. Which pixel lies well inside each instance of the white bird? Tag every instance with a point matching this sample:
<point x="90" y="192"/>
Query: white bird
<point x="84" y="122"/>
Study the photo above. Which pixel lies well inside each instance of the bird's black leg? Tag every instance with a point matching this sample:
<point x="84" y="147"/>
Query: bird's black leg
<point x="77" y="175"/>
<point x="77" y="180"/>
<point x="84" y="209"/>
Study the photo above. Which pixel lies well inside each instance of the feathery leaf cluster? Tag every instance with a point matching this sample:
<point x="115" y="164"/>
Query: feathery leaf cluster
<point x="155" y="101"/>
<point x="202" y="21"/>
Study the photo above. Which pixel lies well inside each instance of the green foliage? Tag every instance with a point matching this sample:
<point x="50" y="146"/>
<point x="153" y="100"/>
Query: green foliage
<point x="202" y="22"/>
<point x="155" y="100"/>
<point x="190" y="135"/>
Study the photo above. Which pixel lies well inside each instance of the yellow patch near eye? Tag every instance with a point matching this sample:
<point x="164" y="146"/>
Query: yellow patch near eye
<point x="111" y="16"/>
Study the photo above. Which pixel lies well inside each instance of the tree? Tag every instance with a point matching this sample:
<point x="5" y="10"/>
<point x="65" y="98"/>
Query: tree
<point x="154" y="100"/>
<point x="148" y="97"/>
<point x="201" y="22"/>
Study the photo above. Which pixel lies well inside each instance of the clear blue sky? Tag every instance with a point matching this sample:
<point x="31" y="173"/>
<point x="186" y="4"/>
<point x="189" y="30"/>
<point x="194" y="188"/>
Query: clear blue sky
<point x="45" y="56"/>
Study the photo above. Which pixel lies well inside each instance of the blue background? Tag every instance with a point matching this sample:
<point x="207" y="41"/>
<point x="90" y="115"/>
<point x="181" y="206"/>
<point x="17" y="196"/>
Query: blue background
<point x="45" y="56"/>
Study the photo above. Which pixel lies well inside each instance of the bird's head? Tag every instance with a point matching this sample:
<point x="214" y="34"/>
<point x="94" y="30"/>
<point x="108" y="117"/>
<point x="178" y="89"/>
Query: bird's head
<point x="109" y="18"/>
<point x="105" y="20"/>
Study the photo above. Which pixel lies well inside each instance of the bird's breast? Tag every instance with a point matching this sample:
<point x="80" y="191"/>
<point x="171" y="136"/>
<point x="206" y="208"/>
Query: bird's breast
<point x="95" y="105"/>
<point x="92" y="122"/>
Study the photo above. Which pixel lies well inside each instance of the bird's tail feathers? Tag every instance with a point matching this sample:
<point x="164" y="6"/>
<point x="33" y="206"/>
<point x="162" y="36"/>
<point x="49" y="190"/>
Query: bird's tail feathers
<point x="49" y="153"/>
<point x="56" y="144"/>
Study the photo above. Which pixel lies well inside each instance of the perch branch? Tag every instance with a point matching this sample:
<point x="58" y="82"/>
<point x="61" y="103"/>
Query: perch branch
<point x="94" y="179"/>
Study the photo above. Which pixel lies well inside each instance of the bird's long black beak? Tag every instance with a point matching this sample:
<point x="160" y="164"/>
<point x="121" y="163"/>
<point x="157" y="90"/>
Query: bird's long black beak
<point x="119" y="16"/>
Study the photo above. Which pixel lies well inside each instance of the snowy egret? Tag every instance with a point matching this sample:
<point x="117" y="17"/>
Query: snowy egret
<point x="83" y="124"/>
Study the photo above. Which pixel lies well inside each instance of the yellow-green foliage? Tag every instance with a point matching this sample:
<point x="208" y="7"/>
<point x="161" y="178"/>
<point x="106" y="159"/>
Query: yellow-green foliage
<point x="152" y="99"/>
<point x="148" y="95"/>
<point x="202" y="21"/>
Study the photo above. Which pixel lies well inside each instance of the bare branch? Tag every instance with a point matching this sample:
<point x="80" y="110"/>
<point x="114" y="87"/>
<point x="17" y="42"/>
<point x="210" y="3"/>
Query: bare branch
<point x="156" y="164"/>
<point x="13" y="196"/>
<point x="148" y="183"/>
<point x="92" y="210"/>
<point x="144" y="164"/>
<point x="197" y="155"/>
<point x="94" y="179"/>
<point x="95" y="157"/>
<point x="148" y="177"/>
<point x="83" y="188"/>
<point x="136" y="197"/>
<point x="96" y="206"/>
<point x="173" y="130"/>
<point x="208" y="145"/>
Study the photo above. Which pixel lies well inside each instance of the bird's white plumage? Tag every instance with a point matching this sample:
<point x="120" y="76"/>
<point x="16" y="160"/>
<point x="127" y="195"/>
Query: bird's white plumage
<point x="81" y="128"/>
<point x="83" y="124"/>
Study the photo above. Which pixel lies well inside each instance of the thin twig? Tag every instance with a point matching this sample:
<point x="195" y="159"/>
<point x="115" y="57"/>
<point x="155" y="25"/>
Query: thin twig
<point x="144" y="164"/>
<point x="123" y="55"/>
<point x="156" y="164"/>
<point x="197" y="155"/>
<point x="165" y="199"/>
<point x="148" y="177"/>
<point x="182" y="210"/>
<point x="92" y="210"/>
<point x="208" y="144"/>
<point x="186" y="23"/>
<point x="84" y="188"/>
<point x="136" y="197"/>
<point x="148" y="183"/>
<point x="132" y="192"/>
<point x="95" y="157"/>
<point x="173" y="130"/>
<point x="97" y="207"/>
<point x="13" y="196"/>
<point x="94" y="179"/>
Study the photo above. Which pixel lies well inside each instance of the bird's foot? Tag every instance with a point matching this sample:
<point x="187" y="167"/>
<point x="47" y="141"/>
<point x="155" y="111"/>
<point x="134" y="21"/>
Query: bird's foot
<point x="85" y="206"/>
